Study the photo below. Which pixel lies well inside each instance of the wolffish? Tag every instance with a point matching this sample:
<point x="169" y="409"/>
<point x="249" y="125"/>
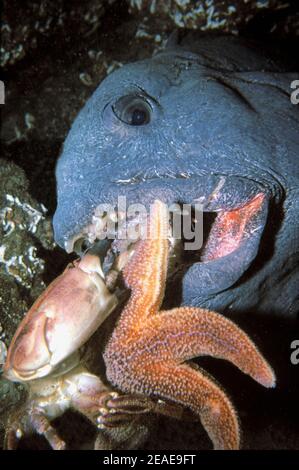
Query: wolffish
<point x="208" y="120"/>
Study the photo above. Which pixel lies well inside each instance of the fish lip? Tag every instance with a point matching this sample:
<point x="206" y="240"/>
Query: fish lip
<point x="223" y="193"/>
<point x="241" y="252"/>
<point x="69" y="225"/>
<point x="83" y="234"/>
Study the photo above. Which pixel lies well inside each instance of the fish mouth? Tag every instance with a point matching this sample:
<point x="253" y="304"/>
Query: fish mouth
<point x="233" y="218"/>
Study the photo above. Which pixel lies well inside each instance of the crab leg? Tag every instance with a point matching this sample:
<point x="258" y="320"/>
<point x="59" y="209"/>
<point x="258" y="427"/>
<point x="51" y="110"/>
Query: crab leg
<point x="106" y="408"/>
<point x="87" y="394"/>
<point x="42" y="426"/>
<point x="31" y="421"/>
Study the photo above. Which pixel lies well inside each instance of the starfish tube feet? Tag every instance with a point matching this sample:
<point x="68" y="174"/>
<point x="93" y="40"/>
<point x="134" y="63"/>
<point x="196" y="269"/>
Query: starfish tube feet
<point x="147" y="350"/>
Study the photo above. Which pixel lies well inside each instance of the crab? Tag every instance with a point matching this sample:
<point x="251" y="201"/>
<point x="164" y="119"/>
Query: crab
<point x="46" y="355"/>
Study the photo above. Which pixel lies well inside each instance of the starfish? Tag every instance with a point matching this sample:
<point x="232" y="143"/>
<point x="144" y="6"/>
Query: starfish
<point x="148" y="350"/>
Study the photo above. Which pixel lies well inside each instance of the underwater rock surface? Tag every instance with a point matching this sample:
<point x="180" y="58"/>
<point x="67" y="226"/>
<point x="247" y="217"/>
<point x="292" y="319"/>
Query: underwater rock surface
<point x="25" y="232"/>
<point x="207" y="15"/>
<point x="27" y="25"/>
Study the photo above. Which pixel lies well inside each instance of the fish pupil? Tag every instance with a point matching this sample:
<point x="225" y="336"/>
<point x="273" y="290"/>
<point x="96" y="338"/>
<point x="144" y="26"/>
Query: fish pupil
<point x="139" y="117"/>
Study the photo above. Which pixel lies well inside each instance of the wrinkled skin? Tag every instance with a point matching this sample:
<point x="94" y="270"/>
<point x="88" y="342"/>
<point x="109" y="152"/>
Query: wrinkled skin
<point x="222" y="129"/>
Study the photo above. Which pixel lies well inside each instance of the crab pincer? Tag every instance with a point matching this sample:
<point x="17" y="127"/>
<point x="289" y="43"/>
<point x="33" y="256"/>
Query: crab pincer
<point x="61" y="321"/>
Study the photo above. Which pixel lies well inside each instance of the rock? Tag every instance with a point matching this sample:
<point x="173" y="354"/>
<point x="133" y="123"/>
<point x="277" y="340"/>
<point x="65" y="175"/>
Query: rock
<point x="27" y="26"/>
<point x="26" y="244"/>
<point x="221" y="15"/>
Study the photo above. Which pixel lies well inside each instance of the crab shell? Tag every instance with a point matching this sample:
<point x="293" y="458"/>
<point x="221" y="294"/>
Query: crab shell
<point x="61" y="320"/>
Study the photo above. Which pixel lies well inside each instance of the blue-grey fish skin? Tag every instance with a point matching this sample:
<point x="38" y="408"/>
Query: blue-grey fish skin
<point x="220" y="114"/>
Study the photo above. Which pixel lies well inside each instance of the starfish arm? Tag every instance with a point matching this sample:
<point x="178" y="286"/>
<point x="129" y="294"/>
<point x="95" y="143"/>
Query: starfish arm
<point x="184" y="333"/>
<point x="145" y="273"/>
<point x="196" y="390"/>
<point x="147" y="349"/>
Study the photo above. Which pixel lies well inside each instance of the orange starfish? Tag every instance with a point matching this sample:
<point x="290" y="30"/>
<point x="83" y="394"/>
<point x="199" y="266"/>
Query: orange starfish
<point x="148" y="349"/>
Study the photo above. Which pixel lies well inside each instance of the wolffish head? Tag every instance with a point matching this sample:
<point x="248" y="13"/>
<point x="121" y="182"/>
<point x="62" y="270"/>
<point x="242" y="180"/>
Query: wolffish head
<point x="184" y="127"/>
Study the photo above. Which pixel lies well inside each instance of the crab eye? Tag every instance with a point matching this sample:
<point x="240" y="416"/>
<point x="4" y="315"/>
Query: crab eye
<point x="133" y="110"/>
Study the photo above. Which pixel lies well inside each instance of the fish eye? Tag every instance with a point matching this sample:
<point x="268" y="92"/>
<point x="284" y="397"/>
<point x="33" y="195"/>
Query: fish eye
<point x="133" y="110"/>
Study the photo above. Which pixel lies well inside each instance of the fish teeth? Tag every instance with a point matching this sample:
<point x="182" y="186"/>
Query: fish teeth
<point x="98" y="225"/>
<point x="91" y="236"/>
<point x="113" y="216"/>
<point x="69" y="244"/>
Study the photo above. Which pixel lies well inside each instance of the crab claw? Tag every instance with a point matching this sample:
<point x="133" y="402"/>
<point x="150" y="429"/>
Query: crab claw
<point x="61" y="320"/>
